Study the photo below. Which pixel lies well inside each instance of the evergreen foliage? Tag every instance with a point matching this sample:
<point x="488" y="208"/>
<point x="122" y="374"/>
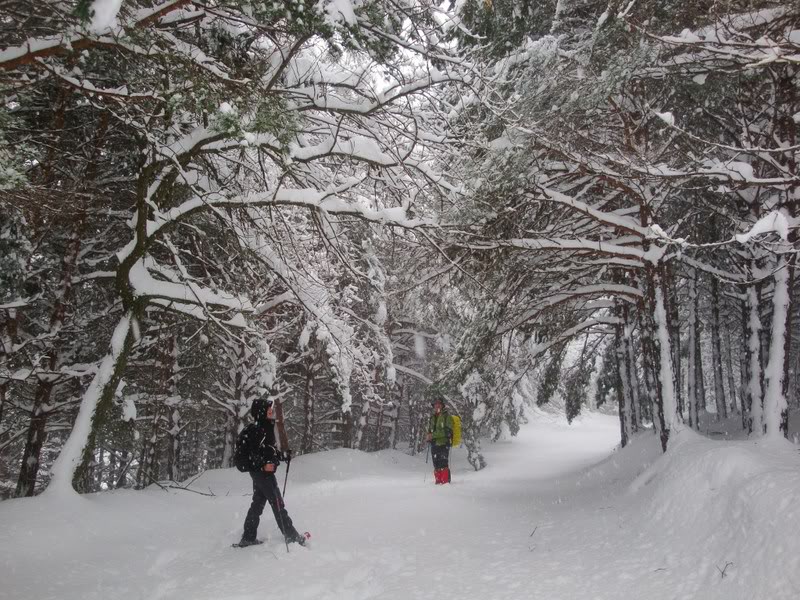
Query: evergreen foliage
<point x="351" y="206"/>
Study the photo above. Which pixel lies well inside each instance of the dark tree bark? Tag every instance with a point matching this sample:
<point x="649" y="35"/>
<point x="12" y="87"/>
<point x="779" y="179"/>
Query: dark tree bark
<point x="623" y="388"/>
<point x="29" y="469"/>
<point x="692" y="394"/>
<point x="716" y="354"/>
<point x="121" y="476"/>
<point x="734" y="405"/>
<point x="347" y="428"/>
<point x="652" y="357"/>
<point x="377" y="437"/>
<point x="787" y="102"/>
<point x="633" y="373"/>
<point x="699" y="379"/>
<point x="675" y="341"/>
<point x="40" y="412"/>
<point x="747" y="397"/>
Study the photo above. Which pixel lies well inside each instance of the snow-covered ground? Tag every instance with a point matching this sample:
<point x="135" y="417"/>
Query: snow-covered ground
<point x="557" y="515"/>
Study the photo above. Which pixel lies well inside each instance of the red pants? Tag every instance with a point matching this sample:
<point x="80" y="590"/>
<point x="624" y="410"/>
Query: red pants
<point x="441" y="460"/>
<point x="442" y="475"/>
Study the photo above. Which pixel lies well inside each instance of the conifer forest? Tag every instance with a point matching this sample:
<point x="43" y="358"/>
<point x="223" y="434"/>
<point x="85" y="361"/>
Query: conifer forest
<point x="354" y="205"/>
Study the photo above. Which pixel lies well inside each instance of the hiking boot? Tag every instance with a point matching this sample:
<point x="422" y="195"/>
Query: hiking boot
<point x="243" y="543"/>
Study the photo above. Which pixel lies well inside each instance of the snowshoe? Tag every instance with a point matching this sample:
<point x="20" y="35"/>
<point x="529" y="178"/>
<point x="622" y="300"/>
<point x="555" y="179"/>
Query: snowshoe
<point x="245" y="543"/>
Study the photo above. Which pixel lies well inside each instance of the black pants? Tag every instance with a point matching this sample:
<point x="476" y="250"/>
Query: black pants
<point x="440" y="456"/>
<point x="265" y="489"/>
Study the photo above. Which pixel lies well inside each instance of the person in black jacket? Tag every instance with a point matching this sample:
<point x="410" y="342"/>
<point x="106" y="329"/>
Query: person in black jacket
<point x="258" y="442"/>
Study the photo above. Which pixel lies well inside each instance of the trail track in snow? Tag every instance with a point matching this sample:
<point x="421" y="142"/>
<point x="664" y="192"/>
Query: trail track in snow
<point x="557" y="515"/>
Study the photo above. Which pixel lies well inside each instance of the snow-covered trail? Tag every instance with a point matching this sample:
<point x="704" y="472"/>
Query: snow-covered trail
<point x="544" y="520"/>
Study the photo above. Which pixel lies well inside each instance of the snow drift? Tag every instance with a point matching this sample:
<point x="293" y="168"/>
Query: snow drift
<point x="736" y="504"/>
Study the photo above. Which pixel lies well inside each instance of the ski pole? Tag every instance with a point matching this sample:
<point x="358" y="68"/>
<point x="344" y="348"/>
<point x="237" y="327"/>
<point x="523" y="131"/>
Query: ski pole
<point x="286" y="477"/>
<point x="427" y="450"/>
<point x="281" y="508"/>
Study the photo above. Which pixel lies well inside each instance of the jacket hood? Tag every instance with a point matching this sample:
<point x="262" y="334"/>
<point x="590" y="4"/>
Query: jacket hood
<point x="258" y="410"/>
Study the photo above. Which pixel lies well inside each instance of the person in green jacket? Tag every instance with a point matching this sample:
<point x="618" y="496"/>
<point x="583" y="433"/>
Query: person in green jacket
<point x="440" y="437"/>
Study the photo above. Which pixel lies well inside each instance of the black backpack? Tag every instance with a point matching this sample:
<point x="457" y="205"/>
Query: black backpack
<point x="241" y="457"/>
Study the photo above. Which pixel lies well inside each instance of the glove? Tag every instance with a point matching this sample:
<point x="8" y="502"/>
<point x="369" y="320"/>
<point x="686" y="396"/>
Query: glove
<point x="286" y="456"/>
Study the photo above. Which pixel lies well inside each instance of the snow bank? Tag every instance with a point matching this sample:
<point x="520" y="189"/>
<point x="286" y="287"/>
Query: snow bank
<point x="626" y="464"/>
<point x="732" y="503"/>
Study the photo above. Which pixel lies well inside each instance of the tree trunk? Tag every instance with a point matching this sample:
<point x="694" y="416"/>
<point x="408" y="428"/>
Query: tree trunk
<point x="124" y="465"/>
<point x="34" y="442"/>
<point x="347" y="429"/>
<point x="675" y="342"/>
<point x="151" y="471"/>
<point x="716" y="354"/>
<point x="787" y="103"/>
<point x="231" y="433"/>
<point x="113" y="467"/>
<point x="218" y="445"/>
<point x="413" y="421"/>
<point x="735" y="404"/>
<point x="97" y="398"/>
<point x="174" y="448"/>
<point x="691" y="363"/>
<point x="376" y="438"/>
<point x="623" y="387"/>
<point x="100" y="469"/>
<point x="100" y="392"/>
<point x="8" y="339"/>
<point x="633" y="372"/>
<point x="699" y="377"/>
<point x="669" y="411"/>
<point x="3" y="394"/>
<point x="31" y="456"/>
<point x="650" y="358"/>
<point x="363" y="421"/>
<point x="775" y="405"/>
<point x="306" y="443"/>
<point x="140" y="472"/>
<point x="791" y="265"/>
<point x="175" y="420"/>
<point x="754" y="389"/>
<point x="394" y="418"/>
<point x="191" y="459"/>
<point x="744" y="370"/>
